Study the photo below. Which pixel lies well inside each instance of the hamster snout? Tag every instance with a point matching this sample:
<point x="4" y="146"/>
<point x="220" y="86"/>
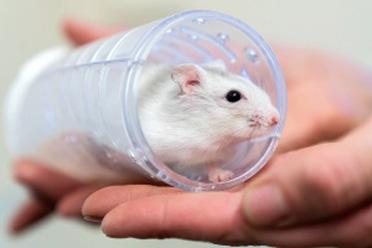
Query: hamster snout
<point x="274" y="120"/>
<point x="260" y="120"/>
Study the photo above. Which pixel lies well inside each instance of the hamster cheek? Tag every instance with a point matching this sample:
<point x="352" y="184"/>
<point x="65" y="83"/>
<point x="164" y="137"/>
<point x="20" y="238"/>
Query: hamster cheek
<point x="242" y="129"/>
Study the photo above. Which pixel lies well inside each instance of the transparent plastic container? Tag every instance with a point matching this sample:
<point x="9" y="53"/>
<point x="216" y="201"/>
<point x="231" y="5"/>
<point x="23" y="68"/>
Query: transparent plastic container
<point x="87" y="97"/>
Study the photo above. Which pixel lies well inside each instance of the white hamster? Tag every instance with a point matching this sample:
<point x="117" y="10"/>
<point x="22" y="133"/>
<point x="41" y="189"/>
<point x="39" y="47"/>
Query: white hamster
<point x="193" y="115"/>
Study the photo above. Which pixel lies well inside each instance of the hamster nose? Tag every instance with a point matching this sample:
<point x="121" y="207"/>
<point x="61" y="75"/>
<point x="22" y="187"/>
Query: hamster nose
<point x="274" y="120"/>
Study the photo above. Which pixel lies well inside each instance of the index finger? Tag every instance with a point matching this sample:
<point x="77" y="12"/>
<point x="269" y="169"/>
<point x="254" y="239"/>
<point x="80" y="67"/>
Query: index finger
<point x="81" y="32"/>
<point x="212" y="216"/>
<point x="43" y="181"/>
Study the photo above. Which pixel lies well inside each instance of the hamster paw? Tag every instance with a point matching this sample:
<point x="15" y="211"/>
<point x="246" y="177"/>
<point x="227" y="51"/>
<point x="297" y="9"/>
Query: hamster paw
<point x="219" y="175"/>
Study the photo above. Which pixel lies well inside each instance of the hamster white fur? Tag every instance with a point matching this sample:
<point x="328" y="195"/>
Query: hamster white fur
<point x="186" y="118"/>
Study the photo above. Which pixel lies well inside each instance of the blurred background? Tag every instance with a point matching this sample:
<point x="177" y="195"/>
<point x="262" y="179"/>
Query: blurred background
<point x="27" y="27"/>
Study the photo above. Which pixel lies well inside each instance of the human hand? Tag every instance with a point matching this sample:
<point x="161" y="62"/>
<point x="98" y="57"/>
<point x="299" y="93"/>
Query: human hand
<point x="316" y="196"/>
<point x="326" y="198"/>
<point x="327" y="96"/>
<point x="294" y="137"/>
<point x="49" y="190"/>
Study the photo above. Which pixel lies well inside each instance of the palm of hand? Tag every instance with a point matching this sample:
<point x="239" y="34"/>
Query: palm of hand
<point x="322" y="106"/>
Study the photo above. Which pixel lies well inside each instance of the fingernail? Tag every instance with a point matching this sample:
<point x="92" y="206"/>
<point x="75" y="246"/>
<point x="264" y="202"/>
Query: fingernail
<point x="265" y="205"/>
<point x="93" y="219"/>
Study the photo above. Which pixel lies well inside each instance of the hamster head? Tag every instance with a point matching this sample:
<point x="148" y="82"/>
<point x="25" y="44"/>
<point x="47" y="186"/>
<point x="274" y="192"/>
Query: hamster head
<point x="222" y="104"/>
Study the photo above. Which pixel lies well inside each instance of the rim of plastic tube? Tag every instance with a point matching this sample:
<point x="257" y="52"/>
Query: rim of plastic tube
<point x="141" y="151"/>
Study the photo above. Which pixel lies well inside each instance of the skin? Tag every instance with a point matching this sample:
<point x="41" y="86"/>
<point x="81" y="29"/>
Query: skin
<point x="316" y="191"/>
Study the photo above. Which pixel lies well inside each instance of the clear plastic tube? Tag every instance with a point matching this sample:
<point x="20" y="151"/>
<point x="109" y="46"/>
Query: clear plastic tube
<point x="91" y="90"/>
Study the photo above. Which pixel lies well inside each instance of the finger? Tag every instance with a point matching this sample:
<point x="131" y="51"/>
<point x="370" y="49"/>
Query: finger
<point x="327" y="95"/>
<point x="295" y="63"/>
<point x="28" y="214"/>
<point x="303" y="65"/>
<point x="45" y="182"/>
<point x="308" y="124"/>
<point x="80" y="32"/>
<point x="217" y="218"/>
<point x="197" y="216"/>
<point x="71" y="204"/>
<point x="313" y="183"/>
<point x="101" y="202"/>
<point x="353" y="230"/>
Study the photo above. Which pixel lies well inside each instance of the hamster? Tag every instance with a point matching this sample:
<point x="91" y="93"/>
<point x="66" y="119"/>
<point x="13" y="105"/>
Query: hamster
<point x="193" y="115"/>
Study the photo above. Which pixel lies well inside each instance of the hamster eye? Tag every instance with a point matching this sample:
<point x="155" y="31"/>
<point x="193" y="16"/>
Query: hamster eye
<point x="233" y="96"/>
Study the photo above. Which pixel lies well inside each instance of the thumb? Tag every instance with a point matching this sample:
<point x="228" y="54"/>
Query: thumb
<point x="80" y="32"/>
<point x="314" y="183"/>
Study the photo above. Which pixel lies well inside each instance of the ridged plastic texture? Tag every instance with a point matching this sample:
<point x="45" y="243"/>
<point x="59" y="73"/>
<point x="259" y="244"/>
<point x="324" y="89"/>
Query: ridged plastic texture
<point x="91" y="90"/>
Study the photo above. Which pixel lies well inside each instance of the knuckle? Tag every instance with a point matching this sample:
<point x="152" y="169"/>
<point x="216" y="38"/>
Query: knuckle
<point x="365" y="232"/>
<point x="325" y="186"/>
<point x="165" y="224"/>
<point x="360" y="237"/>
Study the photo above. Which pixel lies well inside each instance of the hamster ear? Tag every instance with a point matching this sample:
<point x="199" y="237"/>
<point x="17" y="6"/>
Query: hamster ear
<point x="218" y="64"/>
<point x="187" y="76"/>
